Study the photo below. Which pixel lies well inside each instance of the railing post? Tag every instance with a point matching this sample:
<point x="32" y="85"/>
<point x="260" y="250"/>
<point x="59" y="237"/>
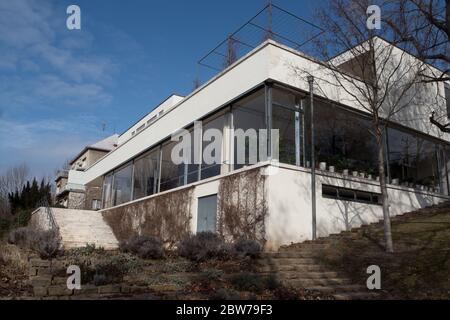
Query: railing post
<point x="313" y="160"/>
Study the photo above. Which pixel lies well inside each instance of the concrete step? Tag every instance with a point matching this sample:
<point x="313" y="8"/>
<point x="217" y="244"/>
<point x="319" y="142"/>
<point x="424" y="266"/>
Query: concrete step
<point x="338" y="288"/>
<point x="293" y="261"/>
<point x="308" y="275"/>
<point x="307" y="283"/>
<point x="291" y="254"/>
<point x="287" y="267"/>
<point x="356" y="296"/>
<point x="80" y="227"/>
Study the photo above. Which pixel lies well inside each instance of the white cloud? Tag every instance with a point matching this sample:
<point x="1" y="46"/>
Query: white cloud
<point x="51" y="77"/>
<point x="25" y="22"/>
<point x="44" y="64"/>
<point x="45" y="144"/>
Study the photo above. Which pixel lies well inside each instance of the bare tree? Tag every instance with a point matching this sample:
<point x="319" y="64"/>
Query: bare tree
<point x="368" y="73"/>
<point x="12" y="179"/>
<point x="424" y="25"/>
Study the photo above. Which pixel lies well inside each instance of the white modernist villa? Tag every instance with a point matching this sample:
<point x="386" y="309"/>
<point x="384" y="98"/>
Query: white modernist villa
<point x="262" y="91"/>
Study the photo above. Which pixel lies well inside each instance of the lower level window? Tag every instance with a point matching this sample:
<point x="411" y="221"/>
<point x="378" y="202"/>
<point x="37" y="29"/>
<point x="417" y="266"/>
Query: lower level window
<point x="346" y="194"/>
<point x="96" y="204"/>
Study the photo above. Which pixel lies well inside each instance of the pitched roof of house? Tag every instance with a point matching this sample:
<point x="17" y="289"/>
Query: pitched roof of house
<point x="107" y="144"/>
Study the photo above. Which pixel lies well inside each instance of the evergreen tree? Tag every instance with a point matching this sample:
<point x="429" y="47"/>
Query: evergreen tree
<point x="30" y="196"/>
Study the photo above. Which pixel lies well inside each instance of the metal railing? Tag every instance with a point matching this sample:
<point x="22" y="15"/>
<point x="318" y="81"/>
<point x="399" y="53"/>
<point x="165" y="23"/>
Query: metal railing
<point x="272" y="22"/>
<point x="43" y="203"/>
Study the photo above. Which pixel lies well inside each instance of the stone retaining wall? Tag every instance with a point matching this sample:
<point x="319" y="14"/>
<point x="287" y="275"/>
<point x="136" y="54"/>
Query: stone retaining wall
<point x="47" y="286"/>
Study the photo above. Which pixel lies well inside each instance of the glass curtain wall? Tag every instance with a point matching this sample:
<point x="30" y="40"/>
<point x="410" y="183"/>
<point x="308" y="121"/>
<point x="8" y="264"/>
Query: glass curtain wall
<point x="122" y="184"/>
<point x="344" y="139"/>
<point x="212" y="127"/>
<point x="146" y="174"/>
<point x="107" y="187"/>
<point x="172" y="175"/>
<point x="288" y="119"/>
<point x="249" y="116"/>
<point x="412" y="159"/>
<point x="447" y="165"/>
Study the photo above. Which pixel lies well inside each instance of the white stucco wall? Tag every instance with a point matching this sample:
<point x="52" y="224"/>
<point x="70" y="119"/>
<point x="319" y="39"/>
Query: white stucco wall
<point x="166" y="105"/>
<point x="290" y="213"/>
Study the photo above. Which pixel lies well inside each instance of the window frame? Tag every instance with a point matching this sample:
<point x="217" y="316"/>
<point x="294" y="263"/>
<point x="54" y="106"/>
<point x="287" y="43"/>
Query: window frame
<point x="338" y="189"/>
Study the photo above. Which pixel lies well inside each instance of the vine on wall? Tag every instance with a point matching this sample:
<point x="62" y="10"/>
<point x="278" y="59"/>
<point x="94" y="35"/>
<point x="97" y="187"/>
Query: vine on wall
<point x="242" y="206"/>
<point x="166" y="217"/>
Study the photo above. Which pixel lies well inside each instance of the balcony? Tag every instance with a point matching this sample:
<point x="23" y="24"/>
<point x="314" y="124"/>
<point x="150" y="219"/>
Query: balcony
<point x="70" y="187"/>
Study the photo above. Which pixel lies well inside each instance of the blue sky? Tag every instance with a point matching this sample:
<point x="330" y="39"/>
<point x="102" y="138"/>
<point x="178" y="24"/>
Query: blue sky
<point x="58" y="87"/>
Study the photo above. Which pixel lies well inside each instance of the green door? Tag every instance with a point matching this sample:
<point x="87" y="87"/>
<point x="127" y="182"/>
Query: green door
<point x="207" y="214"/>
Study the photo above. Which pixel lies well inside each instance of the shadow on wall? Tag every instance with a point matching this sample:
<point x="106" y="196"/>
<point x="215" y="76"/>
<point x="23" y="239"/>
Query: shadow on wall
<point x="334" y="216"/>
<point x="290" y="206"/>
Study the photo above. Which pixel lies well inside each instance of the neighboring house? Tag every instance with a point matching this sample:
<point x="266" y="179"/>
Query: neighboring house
<point x="261" y="91"/>
<point x="72" y="194"/>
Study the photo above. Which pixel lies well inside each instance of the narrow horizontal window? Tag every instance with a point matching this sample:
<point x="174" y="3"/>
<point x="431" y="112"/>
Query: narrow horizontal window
<point x="140" y="128"/>
<point x="346" y="194"/>
<point x="329" y="191"/>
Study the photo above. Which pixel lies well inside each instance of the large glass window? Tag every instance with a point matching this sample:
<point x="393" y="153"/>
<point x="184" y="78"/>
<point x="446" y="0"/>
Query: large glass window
<point x="192" y="166"/>
<point x="211" y="129"/>
<point x="172" y="175"/>
<point x="107" y="184"/>
<point x="344" y="139"/>
<point x="249" y="117"/>
<point x="146" y="174"/>
<point x="287" y="117"/>
<point x="447" y="161"/>
<point x="412" y="159"/>
<point x="122" y="184"/>
<point x="447" y="99"/>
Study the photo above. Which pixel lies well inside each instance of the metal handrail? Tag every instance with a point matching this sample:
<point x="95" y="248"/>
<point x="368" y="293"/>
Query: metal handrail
<point x="48" y="210"/>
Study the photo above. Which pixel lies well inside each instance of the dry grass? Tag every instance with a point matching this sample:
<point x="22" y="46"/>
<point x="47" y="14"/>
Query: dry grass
<point x="420" y="266"/>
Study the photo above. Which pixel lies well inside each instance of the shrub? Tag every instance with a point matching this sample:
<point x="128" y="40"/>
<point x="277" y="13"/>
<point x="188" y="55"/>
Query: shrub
<point x="212" y="274"/>
<point x="20" y="236"/>
<point x="88" y="250"/>
<point x="105" y="269"/>
<point x="247" y="247"/>
<point x="100" y="279"/>
<point x="272" y="283"/>
<point x="248" y="282"/>
<point x="46" y="243"/>
<point x="144" y="247"/>
<point x="225" y="294"/>
<point x="204" y="246"/>
<point x="4" y="227"/>
<point x="284" y="293"/>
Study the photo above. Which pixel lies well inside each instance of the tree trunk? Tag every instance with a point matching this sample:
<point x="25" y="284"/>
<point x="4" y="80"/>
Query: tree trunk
<point x="384" y="194"/>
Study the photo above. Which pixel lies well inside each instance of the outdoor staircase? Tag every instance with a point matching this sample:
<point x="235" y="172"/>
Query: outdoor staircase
<point x="301" y="265"/>
<point x="80" y="227"/>
<point x="298" y="267"/>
